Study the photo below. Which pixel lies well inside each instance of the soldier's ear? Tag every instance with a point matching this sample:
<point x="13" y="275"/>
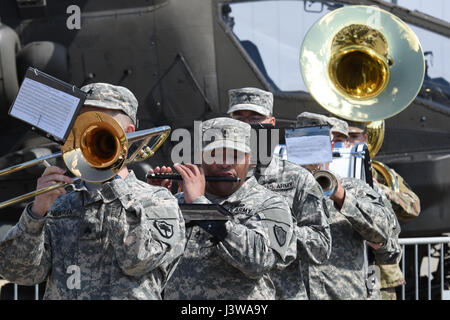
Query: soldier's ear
<point x="130" y="128"/>
<point x="272" y="120"/>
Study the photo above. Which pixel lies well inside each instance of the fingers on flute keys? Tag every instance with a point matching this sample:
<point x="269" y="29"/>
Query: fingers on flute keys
<point x="167" y="183"/>
<point x="193" y="181"/>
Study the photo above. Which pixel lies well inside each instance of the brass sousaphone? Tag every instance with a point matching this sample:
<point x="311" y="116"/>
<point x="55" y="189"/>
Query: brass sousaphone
<point x="362" y="63"/>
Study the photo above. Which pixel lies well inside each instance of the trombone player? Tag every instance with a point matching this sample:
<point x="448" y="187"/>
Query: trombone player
<point x="119" y="239"/>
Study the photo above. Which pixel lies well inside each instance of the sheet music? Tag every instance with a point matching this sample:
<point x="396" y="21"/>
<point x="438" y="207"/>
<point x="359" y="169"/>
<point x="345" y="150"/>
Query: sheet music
<point x="44" y="107"/>
<point x="308" y="145"/>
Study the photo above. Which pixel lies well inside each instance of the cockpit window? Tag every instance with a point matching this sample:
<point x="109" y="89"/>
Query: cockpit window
<point x="271" y="32"/>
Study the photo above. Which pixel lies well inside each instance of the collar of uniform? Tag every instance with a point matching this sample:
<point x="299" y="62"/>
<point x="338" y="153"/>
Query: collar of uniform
<point x="116" y="188"/>
<point x="89" y="196"/>
<point x="274" y="168"/>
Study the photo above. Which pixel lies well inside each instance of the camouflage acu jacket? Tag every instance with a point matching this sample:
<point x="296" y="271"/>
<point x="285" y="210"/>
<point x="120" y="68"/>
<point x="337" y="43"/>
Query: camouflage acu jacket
<point x="406" y="206"/>
<point x="120" y="241"/>
<point x="237" y="266"/>
<point x="312" y="230"/>
<point x="405" y="202"/>
<point x="363" y="216"/>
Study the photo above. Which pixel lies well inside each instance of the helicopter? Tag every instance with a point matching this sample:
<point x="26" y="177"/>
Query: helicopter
<point x="180" y="58"/>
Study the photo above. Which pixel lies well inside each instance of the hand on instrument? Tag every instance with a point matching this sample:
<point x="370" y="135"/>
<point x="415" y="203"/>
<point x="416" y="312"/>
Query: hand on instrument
<point x="167" y="183"/>
<point x="52" y="175"/>
<point x="339" y="196"/>
<point x="193" y="181"/>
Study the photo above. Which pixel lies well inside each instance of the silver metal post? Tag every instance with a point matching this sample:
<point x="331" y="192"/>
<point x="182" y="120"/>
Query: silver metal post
<point x="403" y="271"/>
<point x="429" y="272"/>
<point x="15" y="292"/>
<point x="36" y="292"/>
<point x="442" y="271"/>
<point x="416" y="271"/>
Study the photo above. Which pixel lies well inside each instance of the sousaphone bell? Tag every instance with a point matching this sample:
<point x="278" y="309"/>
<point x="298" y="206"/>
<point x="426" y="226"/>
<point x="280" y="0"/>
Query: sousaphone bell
<point x="362" y="63"/>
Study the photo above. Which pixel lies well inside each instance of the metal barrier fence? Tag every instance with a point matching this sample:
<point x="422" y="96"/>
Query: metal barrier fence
<point x="424" y="241"/>
<point x="4" y="283"/>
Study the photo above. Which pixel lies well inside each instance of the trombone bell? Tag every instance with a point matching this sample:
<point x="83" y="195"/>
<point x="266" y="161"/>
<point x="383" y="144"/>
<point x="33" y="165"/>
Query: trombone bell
<point x="96" y="148"/>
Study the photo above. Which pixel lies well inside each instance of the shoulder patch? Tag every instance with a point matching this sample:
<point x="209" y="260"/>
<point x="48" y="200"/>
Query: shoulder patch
<point x="164" y="228"/>
<point x="280" y="235"/>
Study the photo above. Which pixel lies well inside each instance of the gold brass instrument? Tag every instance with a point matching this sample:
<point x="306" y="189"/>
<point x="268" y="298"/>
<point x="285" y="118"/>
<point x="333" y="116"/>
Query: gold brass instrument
<point x="362" y="63"/>
<point x="375" y="130"/>
<point x="95" y="151"/>
<point x="389" y="177"/>
<point x="327" y="182"/>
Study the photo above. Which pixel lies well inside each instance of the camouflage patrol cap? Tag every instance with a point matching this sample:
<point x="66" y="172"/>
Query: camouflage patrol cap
<point x="356" y="126"/>
<point x="226" y="133"/>
<point x="338" y="125"/>
<point x="252" y="99"/>
<point x="308" y="119"/>
<point x="108" y="96"/>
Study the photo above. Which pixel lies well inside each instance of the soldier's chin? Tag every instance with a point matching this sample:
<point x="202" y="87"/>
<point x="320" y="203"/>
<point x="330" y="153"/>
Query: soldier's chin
<point x="223" y="188"/>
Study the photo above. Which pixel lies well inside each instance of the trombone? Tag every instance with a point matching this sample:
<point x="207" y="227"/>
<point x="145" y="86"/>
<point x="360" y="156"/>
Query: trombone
<point x="95" y="151"/>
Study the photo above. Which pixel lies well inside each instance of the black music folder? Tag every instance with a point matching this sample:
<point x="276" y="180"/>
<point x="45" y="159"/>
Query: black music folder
<point x="48" y="104"/>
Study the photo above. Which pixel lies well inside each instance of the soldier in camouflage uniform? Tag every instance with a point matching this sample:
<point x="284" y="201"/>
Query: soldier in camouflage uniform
<point x="356" y="213"/>
<point x="231" y="259"/>
<point x="297" y="186"/>
<point x="120" y="239"/>
<point x="406" y="206"/>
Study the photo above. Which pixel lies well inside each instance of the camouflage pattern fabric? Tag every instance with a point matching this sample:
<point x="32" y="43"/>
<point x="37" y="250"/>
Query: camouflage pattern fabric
<point x="390" y="253"/>
<point x="391" y="276"/>
<point x="406" y="206"/>
<point x="308" y="119"/>
<point x="405" y="203"/>
<point x="225" y="133"/>
<point x="312" y="230"/>
<point x="363" y="216"/>
<point x="338" y="126"/>
<point x="108" y="96"/>
<point x="252" y="99"/>
<point x="258" y="239"/>
<point x="388" y="294"/>
<point x="125" y="238"/>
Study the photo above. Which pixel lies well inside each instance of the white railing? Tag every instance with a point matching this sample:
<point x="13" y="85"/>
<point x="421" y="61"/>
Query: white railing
<point x="423" y="241"/>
